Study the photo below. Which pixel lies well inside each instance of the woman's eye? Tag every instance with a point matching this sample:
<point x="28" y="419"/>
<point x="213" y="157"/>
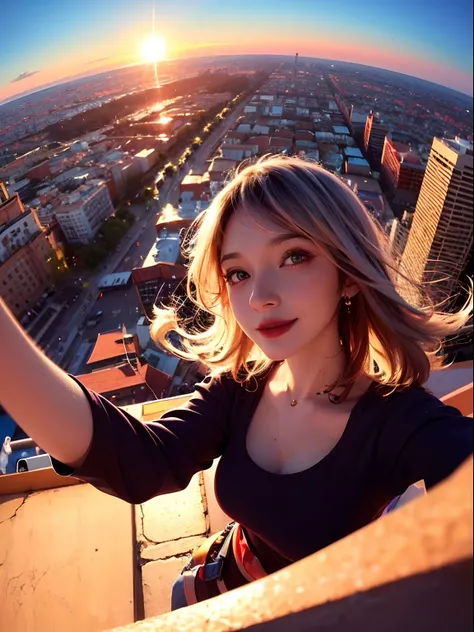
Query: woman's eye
<point x="296" y="257"/>
<point x="235" y="276"/>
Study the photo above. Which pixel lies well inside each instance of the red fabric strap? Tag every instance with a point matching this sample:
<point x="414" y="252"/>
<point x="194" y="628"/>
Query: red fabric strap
<point x="246" y="561"/>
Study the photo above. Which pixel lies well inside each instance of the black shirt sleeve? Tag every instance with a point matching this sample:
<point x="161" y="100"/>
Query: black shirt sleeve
<point x="423" y="439"/>
<point x="136" y="461"/>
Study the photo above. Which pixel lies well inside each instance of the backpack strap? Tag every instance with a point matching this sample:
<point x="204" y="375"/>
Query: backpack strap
<point x="189" y="585"/>
<point x="202" y="552"/>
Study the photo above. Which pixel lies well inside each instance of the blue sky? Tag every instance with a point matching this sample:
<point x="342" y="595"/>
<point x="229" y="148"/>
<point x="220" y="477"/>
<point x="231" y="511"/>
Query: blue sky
<point x="433" y="38"/>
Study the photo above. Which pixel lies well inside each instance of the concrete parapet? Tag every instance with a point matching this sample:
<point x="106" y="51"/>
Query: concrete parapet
<point x="411" y="570"/>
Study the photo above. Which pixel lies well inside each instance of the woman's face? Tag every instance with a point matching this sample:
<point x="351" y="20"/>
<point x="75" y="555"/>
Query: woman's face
<point x="276" y="276"/>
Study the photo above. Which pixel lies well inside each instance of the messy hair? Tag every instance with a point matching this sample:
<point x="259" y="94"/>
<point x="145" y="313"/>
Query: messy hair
<point x="392" y="335"/>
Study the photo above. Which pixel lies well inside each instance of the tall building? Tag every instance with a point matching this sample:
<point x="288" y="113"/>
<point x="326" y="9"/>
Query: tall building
<point x="402" y="171"/>
<point x="440" y="238"/>
<point x="399" y="231"/>
<point x="357" y="121"/>
<point x="374" y="137"/>
<point x="25" y="253"/>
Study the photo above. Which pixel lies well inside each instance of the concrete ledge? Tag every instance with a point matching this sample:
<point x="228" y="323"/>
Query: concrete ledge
<point x="172" y="516"/>
<point x="167" y="529"/>
<point x="412" y="570"/>
<point x="66" y="561"/>
<point x="461" y="399"/>
<point x="33" y="481"/>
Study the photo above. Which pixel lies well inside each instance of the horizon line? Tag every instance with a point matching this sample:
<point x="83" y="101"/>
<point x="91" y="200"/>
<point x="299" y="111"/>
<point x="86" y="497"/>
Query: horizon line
<point x="78" y="76"/>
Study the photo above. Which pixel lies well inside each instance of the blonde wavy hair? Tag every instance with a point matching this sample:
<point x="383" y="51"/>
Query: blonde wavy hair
<point x="387" y="336"/>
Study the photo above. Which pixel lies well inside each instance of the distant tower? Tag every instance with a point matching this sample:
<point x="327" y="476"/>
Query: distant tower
<point x="374" y="138"/>
<point x="296" y="65"/>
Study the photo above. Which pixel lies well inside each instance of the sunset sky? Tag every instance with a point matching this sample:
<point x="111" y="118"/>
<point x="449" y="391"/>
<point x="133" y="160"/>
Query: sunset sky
<point x="44" y="41"/>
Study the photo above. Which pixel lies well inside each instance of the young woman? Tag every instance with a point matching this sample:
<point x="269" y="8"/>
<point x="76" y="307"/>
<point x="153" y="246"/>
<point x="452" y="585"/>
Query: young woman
<point x="314" y="399"/>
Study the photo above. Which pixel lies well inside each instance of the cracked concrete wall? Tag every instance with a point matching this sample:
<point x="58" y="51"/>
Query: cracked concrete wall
<point x="66" y="561"/>
<point x="168" y="528"/>
<point x="93" y="532"/>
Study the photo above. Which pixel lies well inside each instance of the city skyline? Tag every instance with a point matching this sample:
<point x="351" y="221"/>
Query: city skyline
<point x="90" y="37"/>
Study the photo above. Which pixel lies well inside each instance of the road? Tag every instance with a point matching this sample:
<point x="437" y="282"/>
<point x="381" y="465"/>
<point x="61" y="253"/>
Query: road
<point x="121" y="306"/>
<point x="199" y="162"/>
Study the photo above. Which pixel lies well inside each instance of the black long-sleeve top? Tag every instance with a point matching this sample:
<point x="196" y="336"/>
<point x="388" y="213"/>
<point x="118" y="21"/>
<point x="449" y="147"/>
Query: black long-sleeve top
<point x="388" y="444"/>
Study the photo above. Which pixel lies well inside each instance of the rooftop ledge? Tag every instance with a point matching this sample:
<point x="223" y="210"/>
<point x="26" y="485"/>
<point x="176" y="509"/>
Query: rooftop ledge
<point x="74" y="558"/>
<point x="412" y="570"/>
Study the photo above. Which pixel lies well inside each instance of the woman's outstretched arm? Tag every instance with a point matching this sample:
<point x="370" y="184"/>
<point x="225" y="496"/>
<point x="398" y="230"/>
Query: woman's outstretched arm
<point x="45" y="402"/>
<point x="90" y="438"/>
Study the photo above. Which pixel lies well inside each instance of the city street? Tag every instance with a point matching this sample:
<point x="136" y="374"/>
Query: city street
<point x="121" y="306"/>
<point x="200" y="157"/>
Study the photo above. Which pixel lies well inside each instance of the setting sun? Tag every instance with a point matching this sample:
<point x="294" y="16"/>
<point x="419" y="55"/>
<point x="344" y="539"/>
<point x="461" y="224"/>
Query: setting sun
<point x="153" y="49"/>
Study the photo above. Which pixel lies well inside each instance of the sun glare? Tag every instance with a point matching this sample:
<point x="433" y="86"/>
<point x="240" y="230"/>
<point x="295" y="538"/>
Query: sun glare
<point x="153" y="49"/>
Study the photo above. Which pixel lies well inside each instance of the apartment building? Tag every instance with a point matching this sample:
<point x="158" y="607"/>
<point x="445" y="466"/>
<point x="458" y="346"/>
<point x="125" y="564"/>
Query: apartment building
<point x="156" y="285"/>
<point x="82" y="213"/>
<point x="25" y="254"/>
<point x="402" y="171"/>
<point x="440" y="239"/>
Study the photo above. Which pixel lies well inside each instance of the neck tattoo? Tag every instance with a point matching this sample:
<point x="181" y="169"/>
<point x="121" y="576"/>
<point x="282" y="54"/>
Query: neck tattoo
<point x="294" y="401"/>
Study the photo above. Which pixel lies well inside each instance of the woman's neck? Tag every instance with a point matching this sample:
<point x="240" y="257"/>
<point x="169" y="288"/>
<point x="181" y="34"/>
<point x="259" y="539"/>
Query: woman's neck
<point x="313" y="369"/>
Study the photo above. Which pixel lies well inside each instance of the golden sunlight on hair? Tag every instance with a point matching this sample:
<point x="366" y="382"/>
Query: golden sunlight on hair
<point x="386" y="336"/>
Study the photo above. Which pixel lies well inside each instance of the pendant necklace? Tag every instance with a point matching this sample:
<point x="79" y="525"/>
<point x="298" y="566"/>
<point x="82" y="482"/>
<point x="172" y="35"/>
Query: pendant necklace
<point x="325" y="392"/>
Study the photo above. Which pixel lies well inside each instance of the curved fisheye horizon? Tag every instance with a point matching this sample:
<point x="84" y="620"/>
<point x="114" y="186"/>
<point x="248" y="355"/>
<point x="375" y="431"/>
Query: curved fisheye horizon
<point x="155" y="51"/>
<point x="236" y="300"/>
<point x="434" y="46"/>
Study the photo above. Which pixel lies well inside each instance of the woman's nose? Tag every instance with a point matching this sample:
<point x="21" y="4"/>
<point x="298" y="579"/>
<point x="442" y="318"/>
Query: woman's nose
<point x="264" y="294"/>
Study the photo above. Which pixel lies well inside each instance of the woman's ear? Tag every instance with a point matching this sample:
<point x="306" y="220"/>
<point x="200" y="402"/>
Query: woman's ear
<point x="349" y="288"/>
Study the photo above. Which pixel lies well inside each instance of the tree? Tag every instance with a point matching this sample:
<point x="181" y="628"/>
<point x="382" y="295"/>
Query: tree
<point x="91" y="254"/>
<point x="170" y="168"/>
<point x="197" y="142"/>
<point x="124" y="213"/>
<point x="107" y="239"/>
<point x="58" y="268"/>
<point x="148" y="194"/>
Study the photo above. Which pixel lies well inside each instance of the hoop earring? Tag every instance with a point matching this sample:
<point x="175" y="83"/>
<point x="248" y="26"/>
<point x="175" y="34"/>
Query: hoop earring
<point x="348" y="303"/>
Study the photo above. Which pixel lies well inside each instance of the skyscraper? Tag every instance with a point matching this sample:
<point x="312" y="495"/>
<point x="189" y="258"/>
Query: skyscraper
<point x="440" y="238"/>
<point x="374" y="138"/>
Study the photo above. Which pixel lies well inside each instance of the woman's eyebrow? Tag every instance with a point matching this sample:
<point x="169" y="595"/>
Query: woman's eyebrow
<point x="275" y="241"/>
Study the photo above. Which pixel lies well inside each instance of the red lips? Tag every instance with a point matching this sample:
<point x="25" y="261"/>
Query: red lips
<point x="275" y="328"/>
<point x="274" y="323"/>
